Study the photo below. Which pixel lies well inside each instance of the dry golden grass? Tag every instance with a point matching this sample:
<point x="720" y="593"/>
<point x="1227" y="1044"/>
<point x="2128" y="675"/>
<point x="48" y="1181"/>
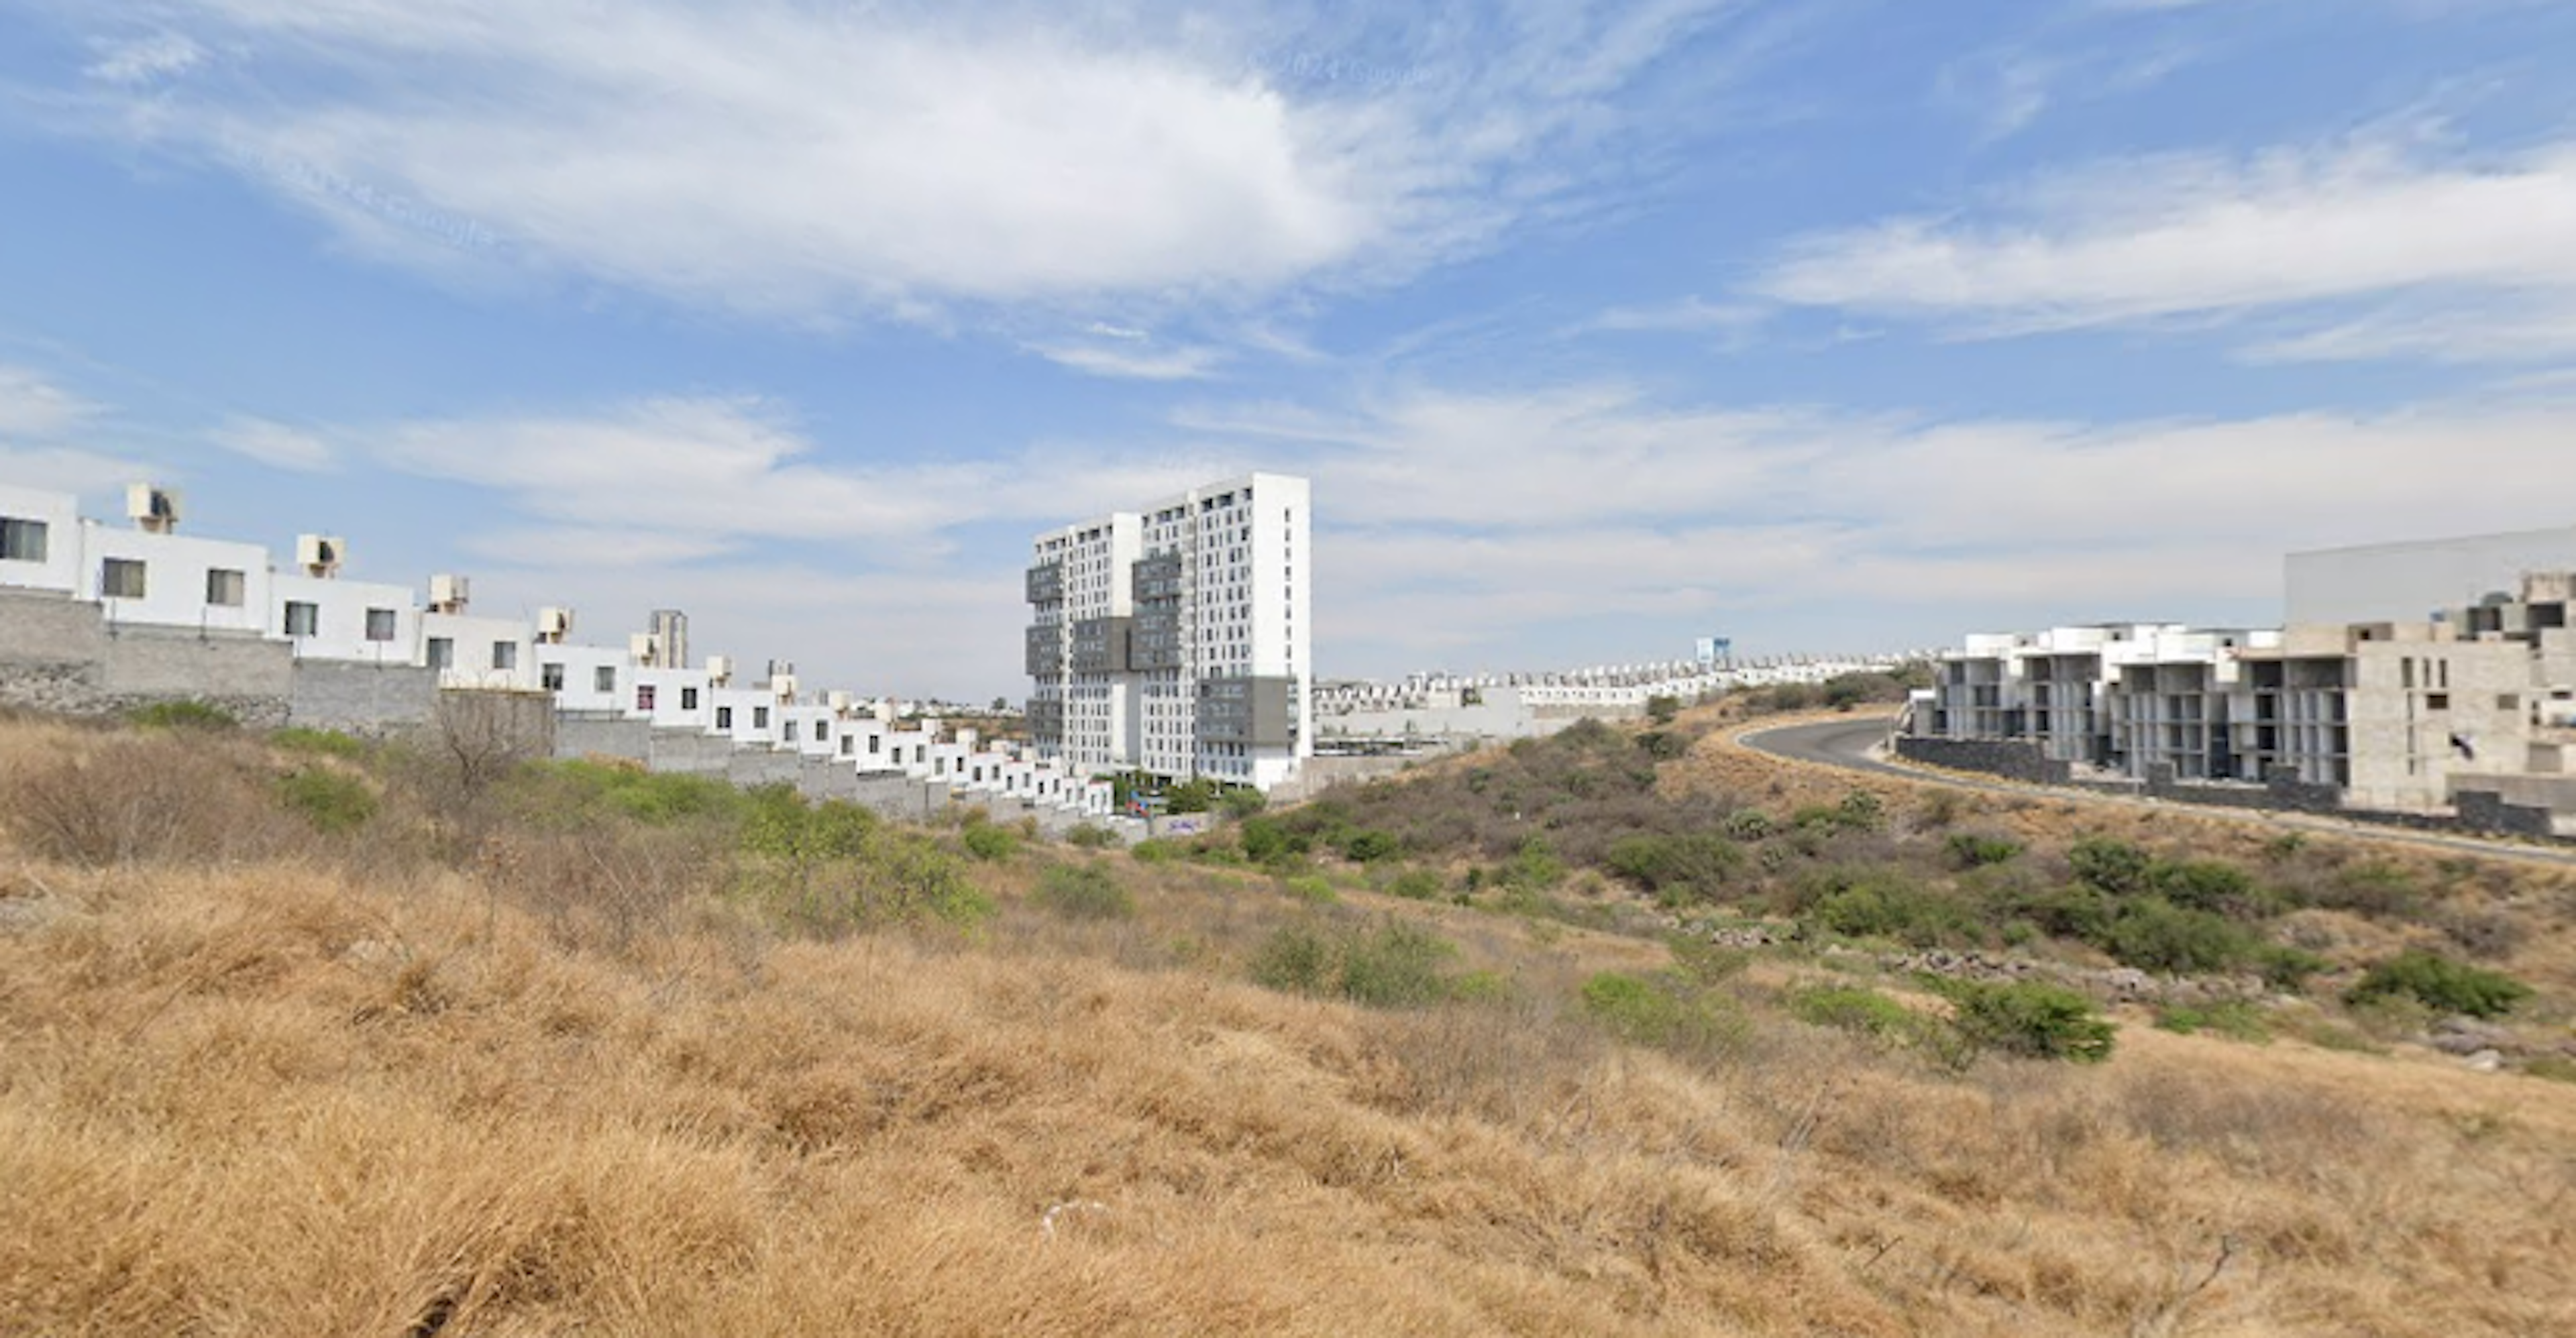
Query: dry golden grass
<point x="271" y="1098"/>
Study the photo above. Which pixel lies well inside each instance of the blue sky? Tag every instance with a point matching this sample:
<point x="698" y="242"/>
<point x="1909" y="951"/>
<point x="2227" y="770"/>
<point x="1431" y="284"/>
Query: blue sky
<point x="1823" y="324"/>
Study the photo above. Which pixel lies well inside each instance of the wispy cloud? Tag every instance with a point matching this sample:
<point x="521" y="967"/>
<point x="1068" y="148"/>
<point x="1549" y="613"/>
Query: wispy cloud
<point x="774" y="157"/>
<point x="274" y="443"/>
<point x="1133" y="361"/>
<point x="1689" y="315"/>
<point x="1487" y="519"/>
<point x="32" y="406"/>
<point x="145" y="60"/>
<point x="44" y="436"/>
<point x="2289" y="233"/>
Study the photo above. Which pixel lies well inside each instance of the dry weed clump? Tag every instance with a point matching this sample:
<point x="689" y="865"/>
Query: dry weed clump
<point x="146" y="797"/>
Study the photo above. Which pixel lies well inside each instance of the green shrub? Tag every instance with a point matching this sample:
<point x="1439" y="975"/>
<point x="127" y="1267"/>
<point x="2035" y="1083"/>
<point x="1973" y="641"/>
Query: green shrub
<point x="328" y="742"/>
<point x="2113" y="866"/>
<point x="1887" y="903"/>
<point x="1974" y="850"/>
<point x="1860" y="811"/>
<point x="1370" y="846"/>
<point x="2556" y="1068"/>
<point x="1311" y="888"/>
<point x="1663" y="745"/>
<point x="2441" y="984"/>
<point x="1156" y="850"/>
<point x="332" y="801"/>
<point x="190" y="714"/>
<point x="1855" y="1008"/>
<point x="1748" y="824"/>
<point x="1693" y="866"/>
<point x="1660" y="1012"/>
<point x="1084" y="892"/>
<point x="1396" y="965"/>
<point x="2234" y="1019"/>
<point x="1535" y="865"/>
<point x="2208" y="885"/>
<point x="2384" y="890"/>
<point x="1663" y="708"/>
<point x="985" y="841"/>
<point x="2029" y="1018"/>
<point x="1388" y="965"/>
<point x="1416" y="885"/>
<point x="1243" y="803"/>
<point x="779" y="824"/>
<point x="2154" y="934"/>
<point x="1090" y="836"/>
<point x="1295" y="958"/>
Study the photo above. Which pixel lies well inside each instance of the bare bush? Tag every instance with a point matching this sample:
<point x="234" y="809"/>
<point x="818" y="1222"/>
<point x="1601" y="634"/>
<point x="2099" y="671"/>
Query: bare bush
<point x="148" y="798"/>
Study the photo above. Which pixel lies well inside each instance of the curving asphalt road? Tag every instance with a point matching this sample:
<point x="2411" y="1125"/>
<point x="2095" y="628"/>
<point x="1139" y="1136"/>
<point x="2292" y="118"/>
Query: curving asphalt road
<point x="1853" y="743"/>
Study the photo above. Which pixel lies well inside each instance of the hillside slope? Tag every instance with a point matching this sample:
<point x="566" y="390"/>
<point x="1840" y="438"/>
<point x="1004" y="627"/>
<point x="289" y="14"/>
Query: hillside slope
<point x="532" y="1073"/>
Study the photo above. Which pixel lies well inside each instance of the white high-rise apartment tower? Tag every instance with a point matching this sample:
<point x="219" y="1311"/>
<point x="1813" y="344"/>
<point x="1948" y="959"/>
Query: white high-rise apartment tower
<point x="1176" y="639"/>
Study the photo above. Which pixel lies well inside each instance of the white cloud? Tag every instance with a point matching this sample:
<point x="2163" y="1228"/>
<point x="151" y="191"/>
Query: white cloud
<point x="775" y="157"/>
<point x="274" y="443"/>
<point x="1495" y="523"/>
<point x="32" y="406"/>
<point x="2203" y="237"/>
<point x="1689" y="315"/>
<point x="1178" y="364"/>
<point x="700" y="475"/>
<point x="146" y="60"/>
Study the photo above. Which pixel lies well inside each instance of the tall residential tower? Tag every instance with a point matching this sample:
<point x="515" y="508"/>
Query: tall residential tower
<point x="1176" y="639"/>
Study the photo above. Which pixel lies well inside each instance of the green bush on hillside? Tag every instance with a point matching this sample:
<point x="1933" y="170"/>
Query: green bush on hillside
<point x="2441" y="984"/>
<point x="2029" y="1018"/>
<point x="1084" y="892"/>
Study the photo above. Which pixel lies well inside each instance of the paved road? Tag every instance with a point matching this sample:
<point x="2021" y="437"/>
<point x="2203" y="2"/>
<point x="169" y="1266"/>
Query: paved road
<point x="1848" y="743"/>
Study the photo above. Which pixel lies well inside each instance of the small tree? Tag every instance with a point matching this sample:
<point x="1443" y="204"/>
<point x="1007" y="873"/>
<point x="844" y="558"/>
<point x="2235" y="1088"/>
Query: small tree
<point x="1663" y="708"/>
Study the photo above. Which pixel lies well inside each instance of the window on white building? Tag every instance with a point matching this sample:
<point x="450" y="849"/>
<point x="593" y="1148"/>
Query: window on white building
<point x="120" y="578"/>
<point x="688" y="699"/>
<point x="303" y="619"/>
<point x="644" y="696"/>
<point x="442" y="652"/>
<point x="760" y="717"/>
<point x="380" y="624"/>
<point x="724" y="717"/>
<point x="226" y="589"/>
<point x="505" y="655"/>
<point x="550" y="676"/>
<point x="21" y="540"/>
<point x="791" y="731"/>
<point x="604" y="679"/>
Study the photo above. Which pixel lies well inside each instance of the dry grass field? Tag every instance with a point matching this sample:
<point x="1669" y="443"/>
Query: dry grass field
<point x="257" y="1078"/>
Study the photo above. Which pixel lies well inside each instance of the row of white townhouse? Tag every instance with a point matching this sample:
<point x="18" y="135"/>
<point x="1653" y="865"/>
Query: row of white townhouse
<point x="149" y="576"/>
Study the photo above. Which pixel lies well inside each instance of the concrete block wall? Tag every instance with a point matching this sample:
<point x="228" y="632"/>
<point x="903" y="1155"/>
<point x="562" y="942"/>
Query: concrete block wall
<point x="588" y="734"/>
<point x="360" y="698"/>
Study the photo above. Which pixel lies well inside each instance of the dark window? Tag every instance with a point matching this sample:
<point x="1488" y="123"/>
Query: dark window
<point x="688" y="699"/>
<point x="442" y="653"/>
<point x="760" y="717"/>
<point x="603" y="679"/>
<point x="303" y="619"/>
<point x="724" y="717"/>
<point x="380" y="624"/>
<point x="21" y="540"/>
<point x="505" y="655"/>
<point x="550" y="676"/>
<point x="643" y="696"/>
<point x="791" y="731"/>
<point x="225" y="588"/>
<point x="120" y="578"/>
